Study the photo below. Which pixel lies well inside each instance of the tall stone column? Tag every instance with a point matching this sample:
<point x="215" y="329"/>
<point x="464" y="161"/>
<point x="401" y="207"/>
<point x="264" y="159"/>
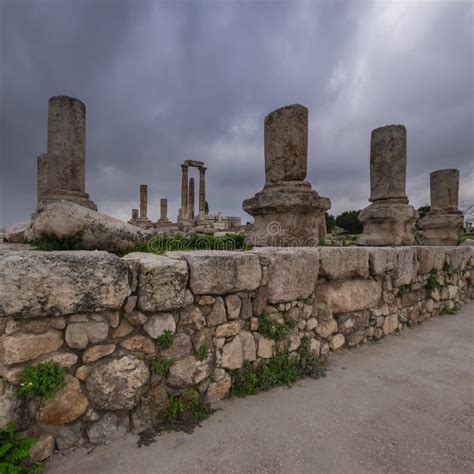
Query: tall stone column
<point x="66" y="151"/>
<point x="163" y="211"/>
<point x="389" y="220"/>
<point x="444" y="224"/>
<point x="134" y="218"/>
<point x="202" y="192"/>
<point x="191" y="200"/>
<point x="41" y="179"/>
<point x="287" y="212"/>
<point x="184" y="192"/>
<point x="143" y="201"/>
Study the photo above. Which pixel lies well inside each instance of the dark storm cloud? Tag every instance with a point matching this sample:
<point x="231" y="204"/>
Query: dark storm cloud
<point x="167" y="81"/>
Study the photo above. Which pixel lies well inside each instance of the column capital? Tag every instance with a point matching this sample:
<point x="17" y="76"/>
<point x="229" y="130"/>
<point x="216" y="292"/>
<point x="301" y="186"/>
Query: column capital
<point x="184" y="166"/>
<point x="202" y="169"/>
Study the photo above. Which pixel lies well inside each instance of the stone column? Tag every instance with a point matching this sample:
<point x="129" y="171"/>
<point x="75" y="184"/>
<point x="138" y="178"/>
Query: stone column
<point x="184" y="192"/>
<point x="134" y="214"/>
<point x="389" y="220"/>
<point x="191" y="200"/>
<point x="143" y="201"/>
<point x="66" y="151"/>
<point x="42" y="179"/>
<point x="164" y="211"/>
<point x="287" y="212"/>
<point x="202" y="192"/>
<point x="444" y="224"/>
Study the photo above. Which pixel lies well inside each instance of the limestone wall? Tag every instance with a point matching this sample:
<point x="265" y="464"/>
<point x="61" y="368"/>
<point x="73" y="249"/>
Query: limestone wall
<point x="99" y="316"/>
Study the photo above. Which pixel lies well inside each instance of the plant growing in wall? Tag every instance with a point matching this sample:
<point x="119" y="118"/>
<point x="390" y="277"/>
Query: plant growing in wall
<point x="202" y="353"/>
<point x="432" y="283"/>
<point x="405" y="289"/>
<point x="165" y="341"/>
<point x="43" y="381"/>
<point x="272" y="329"/>
<point x="161" y="366"/>
<point x="15" y="452"/>
<point x="448" y="269"/>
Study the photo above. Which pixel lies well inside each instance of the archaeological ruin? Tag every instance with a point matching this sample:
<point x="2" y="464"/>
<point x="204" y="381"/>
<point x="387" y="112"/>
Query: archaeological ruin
<point x="444" y="223"/>
<point x="102" y="316"/>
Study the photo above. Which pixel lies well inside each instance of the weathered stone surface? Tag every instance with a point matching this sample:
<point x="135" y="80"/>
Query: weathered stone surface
<point x="204" y="337"/>
<point x="218" y="313"/>
<point x="83" y="372"/>
<point x="220" y="272"/>
<point x="206" y="299"/>
<point x="135" y="318"/>
<point x="265" y="347"/>
<point x="192" y="317"/>
<point x="161" y="283"/>
<point x="117" y="384"/>
<point x="219" y="389"/>
<point x="68" y="404"/>
<point x="64" y="359"/>
<point x="248" y="346"/>
<point x="130" y="304"/>
<point x="350" y="295"/>
<point x="181" y="347"/>
<point x="16" y="233"/>
<point x="42" y="449"/>
<point x="228" y="329"/>
<point x="232" y="354"/>
<point x="286" y="144"/>
<point x="337" y="263"/>
<point x="315" y="347"/>
<point x="110" y="427"/>
<point x="444" y="188"/>
<point x="390" y="324"/>
<point x="139" y="343"/>
<point x="94" y="229"/>
<point x="8" y="403"/>
<point x="327" y="327"/>
<point x="336" y="342"/>
<point x="151" y="406"/>
<point x="79" y="335"/>
<point x="459" y="257"/>
<point x="233" y="305"/>
<point x="431" y="257"/>
<point x="189" y="371"/>
<point x="157" y="324"/>
<point x="123" y="330"/>
<point x="382" y="260"/>
<point x="97" y="352"/>
<point x="24" y="347"/>
<point x="407" y="266"/>
<point x="293" y="272"/>
<point x="38" y="284"/>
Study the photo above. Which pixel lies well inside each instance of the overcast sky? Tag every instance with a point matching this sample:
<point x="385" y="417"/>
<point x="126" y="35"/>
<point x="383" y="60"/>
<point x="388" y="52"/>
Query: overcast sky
<point x="169" y="81"/>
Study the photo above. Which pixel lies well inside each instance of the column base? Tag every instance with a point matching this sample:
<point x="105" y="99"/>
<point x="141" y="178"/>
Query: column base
<point x="77" y="197"/>
<point x="441" y="228"/>
<point x="287" y="214"/>
<point x="388" y="222"/>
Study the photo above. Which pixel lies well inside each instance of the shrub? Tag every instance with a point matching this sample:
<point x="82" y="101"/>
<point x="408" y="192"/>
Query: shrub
<point x="43" y="380"/>
<point x="281" y="369"/>
<point x="272" y="329"/>
<point x="450" y="311"/>
<point x="165" y="341"/>
<point x="349" y="221"/>
<point x="330" y="222"/>
<point x="201" y="354"/>
<point x="50" y="242"/>
<point x="15" y="452"/>
<point x="423" y="211"/>
<point x="161" y="366"/>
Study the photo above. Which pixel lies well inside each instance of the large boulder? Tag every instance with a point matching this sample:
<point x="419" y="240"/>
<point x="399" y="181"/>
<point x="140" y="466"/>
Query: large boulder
<point x="221" y="272"/>
<point x="39" y="284"/>
<point x="93" y="229"/>
<point x="117" y="384"/>
<point x="161" y="283"/>
<point x="16" y="233"/>
<point x="292" y="272"/>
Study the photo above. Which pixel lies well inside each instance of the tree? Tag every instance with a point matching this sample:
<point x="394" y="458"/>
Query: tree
<point x="423" y="210"/>
<point x="349" y="221"/>
<point x="330" y="222"/>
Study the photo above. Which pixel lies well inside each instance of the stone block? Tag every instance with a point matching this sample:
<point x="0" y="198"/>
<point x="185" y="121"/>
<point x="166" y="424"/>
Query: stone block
<point x="161" y="283"/>
<point x="407" y="266"/>
<point x="221" y="272"/>
<point x="382" y="260"/>
<point x="38" y="284"/>
<point x="337" y="263"/>
<point x="350" y="295"/>
<point x="292" y="272"/>
<point x="431" y="257"/>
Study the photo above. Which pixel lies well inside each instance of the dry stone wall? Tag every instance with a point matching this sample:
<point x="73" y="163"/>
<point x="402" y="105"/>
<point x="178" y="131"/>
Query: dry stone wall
<point x="100" y="316"/>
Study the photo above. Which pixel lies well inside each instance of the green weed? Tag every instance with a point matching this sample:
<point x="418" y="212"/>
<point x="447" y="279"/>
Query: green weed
<point x="165" y="341"/>
<point x="44" y="380"/>
<point x="161" y="366"/>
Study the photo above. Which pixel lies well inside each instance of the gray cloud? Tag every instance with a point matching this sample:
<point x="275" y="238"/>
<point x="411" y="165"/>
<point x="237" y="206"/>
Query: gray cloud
<point x="167" y="81"/>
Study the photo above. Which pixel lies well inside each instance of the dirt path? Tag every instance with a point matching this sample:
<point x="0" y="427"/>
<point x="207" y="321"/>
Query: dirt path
<point x="403" y="405"/>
